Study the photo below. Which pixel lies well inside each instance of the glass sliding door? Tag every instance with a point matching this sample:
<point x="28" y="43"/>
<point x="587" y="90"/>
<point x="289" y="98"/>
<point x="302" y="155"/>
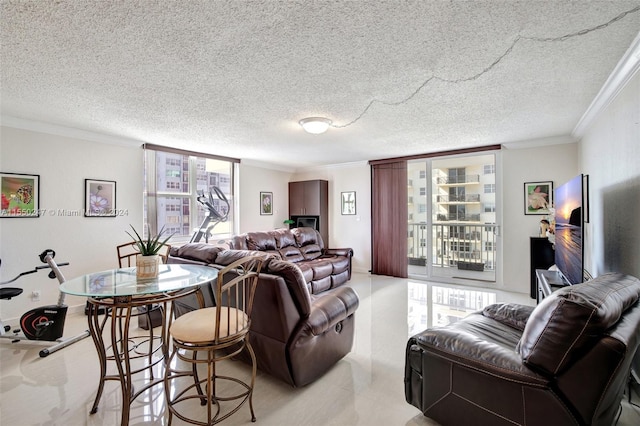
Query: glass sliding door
<point x="453" y="226"/>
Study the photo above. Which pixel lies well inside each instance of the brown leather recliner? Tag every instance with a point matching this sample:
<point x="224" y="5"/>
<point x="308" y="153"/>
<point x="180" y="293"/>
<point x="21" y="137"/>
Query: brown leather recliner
<point x="297" y="336"/>
<point x="566" y="362"/>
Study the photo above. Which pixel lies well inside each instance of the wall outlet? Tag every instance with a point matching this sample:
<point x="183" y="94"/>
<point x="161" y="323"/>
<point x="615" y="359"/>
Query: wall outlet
<point x="35" y="296"/>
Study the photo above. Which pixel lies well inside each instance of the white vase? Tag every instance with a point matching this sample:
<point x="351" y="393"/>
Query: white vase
<point x="147" y="266"/>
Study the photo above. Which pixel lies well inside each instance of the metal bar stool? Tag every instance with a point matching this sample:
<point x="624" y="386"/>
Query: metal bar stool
<point x="216" y="334"/>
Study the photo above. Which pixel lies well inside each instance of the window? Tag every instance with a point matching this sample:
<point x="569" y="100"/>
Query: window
<point x="489" y="169"/>
<point x="489" y="188"/>
<point x="489" y="207"/>
<point x="423" y="191"/>
<point x="173" y="181"/>
<point x="422" y="208"/>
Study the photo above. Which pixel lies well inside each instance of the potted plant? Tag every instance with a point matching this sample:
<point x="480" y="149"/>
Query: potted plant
<point x="148" y="260"/>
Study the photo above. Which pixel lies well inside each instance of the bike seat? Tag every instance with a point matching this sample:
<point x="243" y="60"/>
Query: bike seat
<point x="9" y="292"/>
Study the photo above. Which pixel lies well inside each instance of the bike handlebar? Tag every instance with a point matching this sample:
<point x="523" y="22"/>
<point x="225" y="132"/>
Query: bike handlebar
<point x="43" y="258"/>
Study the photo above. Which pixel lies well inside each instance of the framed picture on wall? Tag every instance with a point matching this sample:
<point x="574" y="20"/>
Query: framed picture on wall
<point x="99" y="198"/>
<point x="20" y="195"/>
<point x="538" y="197"/>
<point x="266" y="203"/>
<point x="348" y="202"/>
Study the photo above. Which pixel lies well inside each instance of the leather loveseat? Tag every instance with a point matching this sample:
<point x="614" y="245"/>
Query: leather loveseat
<point x="564" y="362"/>
<point x="298" y="331"/>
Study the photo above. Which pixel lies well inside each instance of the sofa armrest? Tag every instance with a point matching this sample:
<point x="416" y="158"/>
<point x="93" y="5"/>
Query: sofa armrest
<point x="330" y="308"/>
<point x="339" y="252"/>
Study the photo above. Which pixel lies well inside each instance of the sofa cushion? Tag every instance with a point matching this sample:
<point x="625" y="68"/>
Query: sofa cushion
<point x="305" y="236"/>
<point x="321" y="269"/>
<point x="291" y="254"/>
<point x="200" y="252"/>
<point x="238" y="242"/>
<point x="262" y="241"/>
<point x="571" y="320"/>
<point x="311" y="251"/>
<point x="511" y="314"/>
<point x="339" y="263"/>
<point x="307" y="271"/>
<point x="284" y="238"/>
<point x="227" y="257"/>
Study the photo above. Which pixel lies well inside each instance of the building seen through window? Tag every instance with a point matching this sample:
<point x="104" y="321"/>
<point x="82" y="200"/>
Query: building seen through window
<point x="173" y="182"/>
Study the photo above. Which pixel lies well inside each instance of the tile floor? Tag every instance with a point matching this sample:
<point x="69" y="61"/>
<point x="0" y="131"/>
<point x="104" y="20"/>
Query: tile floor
<point x="365" y="388"/>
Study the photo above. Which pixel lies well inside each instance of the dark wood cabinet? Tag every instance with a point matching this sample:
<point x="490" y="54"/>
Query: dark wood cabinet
<point x="542" y="256"/>
<point x="310" y="198"/>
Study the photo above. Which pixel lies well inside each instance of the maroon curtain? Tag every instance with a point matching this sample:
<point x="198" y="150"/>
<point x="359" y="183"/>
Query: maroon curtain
<point x="389" y="219"/>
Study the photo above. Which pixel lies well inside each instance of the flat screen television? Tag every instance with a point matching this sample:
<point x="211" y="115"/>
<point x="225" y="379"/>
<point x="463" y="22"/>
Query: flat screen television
<point x="569" y="250"/>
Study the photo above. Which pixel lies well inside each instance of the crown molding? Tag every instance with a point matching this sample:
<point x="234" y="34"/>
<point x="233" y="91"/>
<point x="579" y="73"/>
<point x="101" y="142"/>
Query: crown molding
<point x="268" y="166"/>
<point x="535" y="143"/>
<point x="622" y="73"/>
<point x="70" y="132"/>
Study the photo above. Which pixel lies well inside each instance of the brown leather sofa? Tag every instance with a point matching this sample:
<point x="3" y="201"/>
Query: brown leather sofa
<point x="322" y="268"/>
<point x="564" y="362"/>
<point x="297" y="334"/>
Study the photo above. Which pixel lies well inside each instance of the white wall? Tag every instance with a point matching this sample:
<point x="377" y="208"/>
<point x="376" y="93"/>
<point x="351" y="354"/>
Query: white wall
<point x="348" y="230"/>
<point x="89" y="244"/>
<point x="256" y="179"/>
<point x="610" y="155"/>
<point x="556" y="163"/>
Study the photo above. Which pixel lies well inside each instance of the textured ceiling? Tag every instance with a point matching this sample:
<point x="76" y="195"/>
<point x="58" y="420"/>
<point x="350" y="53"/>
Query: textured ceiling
<point x="234" y="77"/>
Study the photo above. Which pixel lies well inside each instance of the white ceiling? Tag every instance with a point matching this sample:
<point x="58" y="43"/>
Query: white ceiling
<point x="234" y="77"/>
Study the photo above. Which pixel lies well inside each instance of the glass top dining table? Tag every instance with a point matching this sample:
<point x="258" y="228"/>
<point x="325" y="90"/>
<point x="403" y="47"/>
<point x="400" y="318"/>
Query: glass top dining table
<point x="118" y="293"/>
<point x="123" y="281"/>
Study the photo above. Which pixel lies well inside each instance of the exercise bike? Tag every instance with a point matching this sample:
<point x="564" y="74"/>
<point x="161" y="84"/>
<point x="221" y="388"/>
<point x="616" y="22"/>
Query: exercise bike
<point x="45" y="323"/>
<point x="213" y="215"/>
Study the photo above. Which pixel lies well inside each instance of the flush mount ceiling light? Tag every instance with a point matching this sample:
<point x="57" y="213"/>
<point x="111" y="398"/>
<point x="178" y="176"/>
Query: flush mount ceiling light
<point x="315" y="125"/>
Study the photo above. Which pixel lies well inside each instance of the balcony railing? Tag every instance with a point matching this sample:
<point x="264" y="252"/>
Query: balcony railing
<point x="449" y="180"/>
<point x="465" y="198"/>
<point x="453" y="245"/>
<point x="458" y="217"/>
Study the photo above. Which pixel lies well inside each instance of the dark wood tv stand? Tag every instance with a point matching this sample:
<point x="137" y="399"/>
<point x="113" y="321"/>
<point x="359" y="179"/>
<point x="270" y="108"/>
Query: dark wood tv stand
<point x="548" y="282"/>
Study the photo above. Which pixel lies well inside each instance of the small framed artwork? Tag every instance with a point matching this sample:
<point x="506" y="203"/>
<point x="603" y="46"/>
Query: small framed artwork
<point x="99" y="198"/>
<point x="20" y="195"/>
<point x="266" y="203"/>
<point x="348" y="202"/>
<point x="538" y="197"/>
